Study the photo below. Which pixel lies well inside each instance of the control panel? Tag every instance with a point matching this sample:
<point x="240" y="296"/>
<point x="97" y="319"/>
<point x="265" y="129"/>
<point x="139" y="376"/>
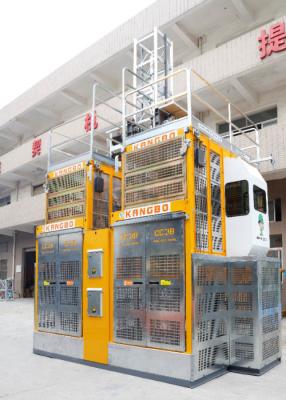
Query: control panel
<point x="94" y="302"/>
<point x="95" y="261"/>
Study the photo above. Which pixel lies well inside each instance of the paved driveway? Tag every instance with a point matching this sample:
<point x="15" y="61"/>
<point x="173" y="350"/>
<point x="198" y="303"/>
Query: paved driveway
<point x="25" y="376"/>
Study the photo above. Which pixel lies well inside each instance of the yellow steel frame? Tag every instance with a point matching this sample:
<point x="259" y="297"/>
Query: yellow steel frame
<point x="211" y="146"/>
<point x="96" y="329"/>
<point x="190" y="239"/>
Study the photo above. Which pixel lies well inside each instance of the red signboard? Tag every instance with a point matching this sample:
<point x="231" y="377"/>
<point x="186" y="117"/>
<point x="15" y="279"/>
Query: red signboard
<point x="36" y="147"/>
<point x="272" y="41"/>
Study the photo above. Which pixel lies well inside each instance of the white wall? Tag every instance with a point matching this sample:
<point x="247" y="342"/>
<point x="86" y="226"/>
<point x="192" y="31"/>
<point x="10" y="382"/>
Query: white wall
<point x="28" y="210"/>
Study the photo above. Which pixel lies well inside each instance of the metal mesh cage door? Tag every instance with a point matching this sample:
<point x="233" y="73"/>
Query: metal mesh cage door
<point x="255" y="319"/>
<point x="270" y="309"/>
<point x="47" y="283"/>
<point x="129" y="284"/>
<point x="202" y="240"/>
<point x="59" y="283"/>
<point x="244" y="313"/>
<point x="236" y="320"/>
<point x="69" y="281"/>
<point x="165" y="302"/>
<point x="210" y="317"/>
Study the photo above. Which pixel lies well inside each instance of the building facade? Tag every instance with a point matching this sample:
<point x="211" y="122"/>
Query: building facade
<point x="239" y="46"/>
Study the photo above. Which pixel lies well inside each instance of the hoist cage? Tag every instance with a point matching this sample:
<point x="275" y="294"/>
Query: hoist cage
<point x="133" y="268"/>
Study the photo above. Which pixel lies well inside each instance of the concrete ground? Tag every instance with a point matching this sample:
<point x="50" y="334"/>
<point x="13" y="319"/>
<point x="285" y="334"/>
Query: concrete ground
<point x="24" y="375"/>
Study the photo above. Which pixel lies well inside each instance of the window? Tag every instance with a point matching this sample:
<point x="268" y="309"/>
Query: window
<point x="116" y="197"/>
<point x="259" y="196"/>
<point x="261" y="119"/>
<point x="274" y="209"/>
<point x="237" y="198"/>
<point x="275" y="253"/>
<point x="3" y="269"/>
<point x="4" y="201"/>
<point x="276" y="241"/>
<point x="38" y="189"/>
<point x="4" y="247"/>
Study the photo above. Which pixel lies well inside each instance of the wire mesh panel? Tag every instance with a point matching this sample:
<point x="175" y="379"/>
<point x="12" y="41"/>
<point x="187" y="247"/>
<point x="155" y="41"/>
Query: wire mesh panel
<point x="47" y="283"/>
<point x="201" y="205"/>
<point x="244" y="309"/>
<point x="149" y="284"/>
<point x="69" y="278"/>
<point x="129" y="285"/>
<point x="255" y="313"/>
<point x="216" y="202"/>
<point x="156" y="172"/>
<point x="269" y="275"/>
<point x="152" y="155"/>
<point x="59" y="283"/>
<point x="236" y="319"/>
<point x="158" y="192"/>
<point x="66" y="196"/>
<point x="211" y="315"/>
<point x="165" y="302"/>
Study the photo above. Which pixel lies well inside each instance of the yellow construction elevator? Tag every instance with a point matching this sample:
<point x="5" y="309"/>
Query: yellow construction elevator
<point x="152" y="260"/>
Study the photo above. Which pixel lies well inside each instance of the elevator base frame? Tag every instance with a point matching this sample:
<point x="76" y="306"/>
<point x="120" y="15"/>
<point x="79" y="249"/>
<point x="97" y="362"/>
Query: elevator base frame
<point x="58" y="345"/>
<point x="254" y="372"/>
<point x="157" y="377"/>
<point x="129" y="371"/>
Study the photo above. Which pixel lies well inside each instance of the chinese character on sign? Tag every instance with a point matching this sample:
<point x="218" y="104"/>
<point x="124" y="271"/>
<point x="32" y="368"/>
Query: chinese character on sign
<point x="87" y="122"/>
<point x="36" y="147"/>
<point x="272" y="42"/>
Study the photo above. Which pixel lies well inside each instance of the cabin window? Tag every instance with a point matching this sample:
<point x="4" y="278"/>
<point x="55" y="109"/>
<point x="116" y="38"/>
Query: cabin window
<point x="237" y="198"/>
<point x="259" y="196"/>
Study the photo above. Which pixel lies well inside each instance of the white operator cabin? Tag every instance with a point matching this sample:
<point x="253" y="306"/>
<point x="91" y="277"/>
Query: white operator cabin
<point x="247" y="221"/>
<point x="231" y="43"/>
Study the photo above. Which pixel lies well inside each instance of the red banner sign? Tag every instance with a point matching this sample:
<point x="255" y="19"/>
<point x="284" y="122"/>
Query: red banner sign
<point x="272" y="41"/>
<point x="36" y="147"/>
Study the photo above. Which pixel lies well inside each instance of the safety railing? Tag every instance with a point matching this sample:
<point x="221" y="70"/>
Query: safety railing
<point x="109" y="136"/>
<point x="144" y="118"/>
<point x="251" y="135"/>
<point x="65" y="145"/>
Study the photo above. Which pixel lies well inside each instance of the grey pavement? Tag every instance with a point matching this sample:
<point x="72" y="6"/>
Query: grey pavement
<point x="25" y="376"/>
